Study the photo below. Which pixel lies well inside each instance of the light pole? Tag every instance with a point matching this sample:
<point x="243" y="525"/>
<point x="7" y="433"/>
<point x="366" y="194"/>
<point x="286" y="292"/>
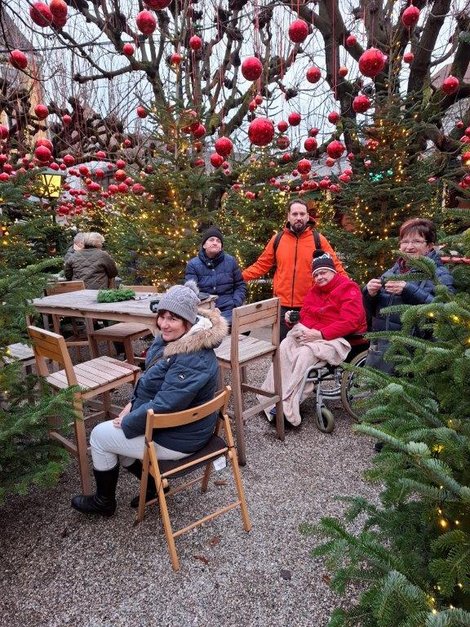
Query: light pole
<point x="50" y="187"/>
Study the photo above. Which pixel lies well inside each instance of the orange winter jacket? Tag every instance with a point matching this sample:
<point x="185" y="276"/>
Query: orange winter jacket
<point x="292" y="259"/>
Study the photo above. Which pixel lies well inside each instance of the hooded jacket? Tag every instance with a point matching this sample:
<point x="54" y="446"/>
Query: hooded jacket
<point x="292" y="260"/>
<point x="94" y="266"/>
<point x="179" y="375"/>
<point x="335" y="309"/>
<point x="414" y="293"/>
<point x="219" y="276"/>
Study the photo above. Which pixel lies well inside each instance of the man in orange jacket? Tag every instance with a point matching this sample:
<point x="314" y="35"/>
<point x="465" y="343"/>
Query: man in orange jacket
<point x="291" y="255"/>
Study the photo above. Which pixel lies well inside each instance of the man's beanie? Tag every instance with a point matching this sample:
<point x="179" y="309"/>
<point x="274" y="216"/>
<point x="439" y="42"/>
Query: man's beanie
<point x="182" y="300"/>
<point x="322" y="260"/>
<point x="213" y="231"/>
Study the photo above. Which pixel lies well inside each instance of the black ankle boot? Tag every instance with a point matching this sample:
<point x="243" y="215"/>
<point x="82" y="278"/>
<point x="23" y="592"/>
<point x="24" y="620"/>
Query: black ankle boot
<point x="103" y="502"/>
<point x="136" y="469"/>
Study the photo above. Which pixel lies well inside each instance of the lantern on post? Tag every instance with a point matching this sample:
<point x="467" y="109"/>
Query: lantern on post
<point x="50" y="186"/>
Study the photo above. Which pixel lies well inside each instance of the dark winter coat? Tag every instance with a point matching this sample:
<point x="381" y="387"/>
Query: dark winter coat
<point x="219" y="276"/>
<point x="179" y="375"/>
<point x="414" y="293"/>
<point x="94" y="266"/>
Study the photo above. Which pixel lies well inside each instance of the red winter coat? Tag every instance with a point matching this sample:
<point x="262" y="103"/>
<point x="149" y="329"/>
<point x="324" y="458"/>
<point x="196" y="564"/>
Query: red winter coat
<point x="335" y="309"/>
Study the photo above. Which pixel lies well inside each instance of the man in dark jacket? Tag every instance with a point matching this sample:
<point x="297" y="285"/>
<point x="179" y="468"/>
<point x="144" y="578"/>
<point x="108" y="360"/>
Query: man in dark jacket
<point x="217" y="273"/>
<point x="92" y="264"/>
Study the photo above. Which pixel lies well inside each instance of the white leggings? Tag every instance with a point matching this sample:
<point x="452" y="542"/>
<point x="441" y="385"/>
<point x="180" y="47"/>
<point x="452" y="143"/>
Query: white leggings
<point x="109" y="446"/>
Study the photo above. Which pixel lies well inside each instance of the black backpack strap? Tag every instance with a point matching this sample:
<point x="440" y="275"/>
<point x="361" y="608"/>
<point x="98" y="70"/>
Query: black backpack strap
<point x="316" y="239"/>
<point x="277" y="239"/>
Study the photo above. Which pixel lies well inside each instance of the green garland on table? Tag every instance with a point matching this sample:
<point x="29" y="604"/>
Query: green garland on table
<point x="114" y="296"/>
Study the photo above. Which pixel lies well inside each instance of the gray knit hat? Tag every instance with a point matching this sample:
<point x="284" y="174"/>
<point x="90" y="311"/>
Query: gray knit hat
<point x="182" y="300"/>
<point x="322" y="261"/>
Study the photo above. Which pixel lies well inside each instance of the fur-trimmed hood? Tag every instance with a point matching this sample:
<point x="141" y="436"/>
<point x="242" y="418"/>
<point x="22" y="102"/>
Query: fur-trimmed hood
<point x="208" y="337"/>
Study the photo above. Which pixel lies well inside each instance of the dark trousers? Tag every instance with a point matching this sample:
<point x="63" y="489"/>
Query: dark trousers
<point x="283" y="327"/>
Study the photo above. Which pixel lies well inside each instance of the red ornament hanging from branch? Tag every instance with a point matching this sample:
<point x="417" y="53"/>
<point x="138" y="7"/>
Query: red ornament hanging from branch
<point x="40" y="14"/>
<point x="298" y="31"/>
<point x="223" y="146"/>
<point x="304" y="166"/>
<point x="294" y="119"/>
<point x="252" y="68"/>
<point x="261" y="132"/>
<point x="372" y="62"/>
<point x="158" y="5"/>
<point x="335" y="149"/>
<point x="313" y="74"/>
<point x="450" y="85"/>
<point x="282" y="126"/>
<point x="410" y="16"/>
<point x="195" y="42"/>
<point x="146" y="22"/>
<point x="361" y="103"/>
<point x="310" y="144"/>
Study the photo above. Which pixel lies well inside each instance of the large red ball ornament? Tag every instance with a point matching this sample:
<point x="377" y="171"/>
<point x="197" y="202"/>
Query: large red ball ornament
<point x="298" y="31"/>
<point x="304" y="166"/>
<point x="40" y="14"/>
<point x="58" y="8"/>
<point x="18" y="59"/>
<point x="141" y="112"/>
<point x="176" y="58"/>
<point x="313" y="132"/>
<point x="450" y="85"/>
<point x="333" y="117"/>
<point x="43" y="141"/>
<point x="329" y="162"/>
<point x="195" y="42"/>
<point x="146" y="22"/>
<point x="335" y="149"/>
<point x="199" y="131"/>
<point x="283" y="142"/>
<point x="223" y="146"/>
<point x="351" y="40"/>
<point x="4" y="132"/>
<point x="43" y="154"/>
<point x="41" y="111"/>
<point x="216" y="160"/>
<point x="294" y="119"/>
<point x="128" y="49"/>
<point x="261" y="132"/>
<point x="343" y="71"/>
<point x="372" y="62"/>
<point x="361" y="103"/>
<point x="282" y="126"/>
<point x="313" y="74"/>
<point x="252" y="68"/>
<point x="69" y="160"/>
<point x="158" y="5"/>
<point x="410" y="16"/>
<point x="310" y="144"/>
<point x="408" y="57"/>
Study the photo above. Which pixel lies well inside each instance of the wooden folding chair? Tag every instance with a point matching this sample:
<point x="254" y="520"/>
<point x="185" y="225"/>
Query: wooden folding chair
<point x="123" y="332"/>
<point x="79" y="337"/>
<point x="94" y="377"/>
<point x="162" y="470"/>
<point x="238" y="351"/>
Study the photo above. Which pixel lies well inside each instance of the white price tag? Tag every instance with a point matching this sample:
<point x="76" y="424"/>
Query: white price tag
<point x="220" y="463"/>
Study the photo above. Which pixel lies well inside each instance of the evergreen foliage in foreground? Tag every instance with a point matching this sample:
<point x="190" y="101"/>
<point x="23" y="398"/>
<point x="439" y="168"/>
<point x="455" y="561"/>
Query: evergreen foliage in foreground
<point x="411" y="559"/>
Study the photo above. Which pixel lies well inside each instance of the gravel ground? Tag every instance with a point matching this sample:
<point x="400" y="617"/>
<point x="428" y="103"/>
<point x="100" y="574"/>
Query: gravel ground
<point x="61" y="568"/>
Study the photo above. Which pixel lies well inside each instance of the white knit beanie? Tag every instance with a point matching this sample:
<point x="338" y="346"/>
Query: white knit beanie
<point x="182" y="300"/>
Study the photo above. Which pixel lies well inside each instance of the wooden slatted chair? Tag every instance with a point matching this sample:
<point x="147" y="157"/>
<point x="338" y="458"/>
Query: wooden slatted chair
<point x="123" y="332"/>
<point x="79" y="337"/>
<point x="94" y="377"/>
<point x="161" y="470"/>
<point x="238" y="351"/>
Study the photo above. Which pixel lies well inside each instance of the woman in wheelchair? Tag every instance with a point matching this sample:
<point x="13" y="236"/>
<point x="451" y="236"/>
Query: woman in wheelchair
<point x="181" y="372"/>
<point x="331" y="310"/>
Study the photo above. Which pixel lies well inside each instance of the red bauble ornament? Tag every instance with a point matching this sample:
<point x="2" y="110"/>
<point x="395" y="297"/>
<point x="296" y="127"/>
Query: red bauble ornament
<point x="128" y="49"/>
<point x="43" y="141"/>
<point x="158" y="5"/>
<point x="450" y="85"/>
<point x="335" y="149"/>
<point x="199" y="163"/>
<point x="324" y="183"/>
<point x="283" y="142"/>
<point x="84" y="170"/>
<point x="298" y="31"/>
<point x="343" y="71"/>
<point x="40" y="14"/>
<point x="333" y="117"/>
<point x="199" y="131"/>
<point x="304" y="166"/>
<point x="282" y="126"/>
<point x="195" y="42"/>
<point x="141" y="112"/>
<point x="361" y="103"/>
<point x="252" y="68"/>
<point x="138" y="189"/>
<point x="120" y="175"/>
<point x="66" y="119"/>
<point x="146" y="22"/>
<point x="41" y="111"/>
<point x="335" y="188"/>
<point x="344" y="178"/>
<point x="466" y="158"/>
<point x="176" y="58"/>
<point x="329" y="162"/>
<point x="372" y="62"/>
<point x="294" y="119"/>
<point x="4" y="177"/>
<point x="313" y="74"/>
<point x="286" y="157"/>
<point x="252" y="106"/>
<point x="310" y="144"/>
<point x="459" y="124"/>
<point x="101" y="155"/>
<point x="351" y="40"/>
<point x="410" y="16"/>
<point x="120" y="164"/>
<point x="261" y="132"/>
<point x="4" y="132"/>
<point x="58" y="8"/>
<point x="313" y="132"/>
<point x="216" y="160"/>
<point x="18" y="59"/>
<point x="69" y="160"/>
<point x="408" y="57"/>
<point x="99" y="173"/>
<point x="223" y="146"/>
<point x="123" y="188"/>
<point x="43" y="154"/>
<point x="259" y="99"/>
<point x="467" y="131"/>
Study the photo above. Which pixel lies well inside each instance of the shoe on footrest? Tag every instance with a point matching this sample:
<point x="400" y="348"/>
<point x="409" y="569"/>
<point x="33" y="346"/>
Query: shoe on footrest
<point x="270" y="414"/>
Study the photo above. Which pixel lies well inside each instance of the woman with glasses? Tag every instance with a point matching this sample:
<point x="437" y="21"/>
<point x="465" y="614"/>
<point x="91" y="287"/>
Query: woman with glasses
<point x="417" y="239"/>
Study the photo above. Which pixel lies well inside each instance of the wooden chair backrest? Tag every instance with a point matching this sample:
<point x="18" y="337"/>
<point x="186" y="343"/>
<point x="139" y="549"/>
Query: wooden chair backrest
<point x="261" y="314"/>
<point x="180" y="418"/>
<point x="142" y="289"/>
<point x="62" y="287"/>
<point x="48" y="345"/>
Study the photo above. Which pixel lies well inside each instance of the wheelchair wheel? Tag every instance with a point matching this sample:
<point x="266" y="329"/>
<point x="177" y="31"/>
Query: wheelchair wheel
<point x="353" y="391"/>
<point x="325" y="419"/>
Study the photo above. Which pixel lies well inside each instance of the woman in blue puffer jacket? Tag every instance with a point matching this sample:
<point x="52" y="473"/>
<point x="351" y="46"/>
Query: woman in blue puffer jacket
<point x="181" y="371"/>
<point x="217" y="273"/>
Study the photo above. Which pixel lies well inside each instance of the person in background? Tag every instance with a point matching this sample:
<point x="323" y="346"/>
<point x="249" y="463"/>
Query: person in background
<point x="332" y="309"/>
<point x="217" y="273"/>
<point x="181" y="371"/>
<point x="78" y="244"/>
<point x="417" y="239"/>
<point x="291" y="256"/>
<point x="92" y="265"/>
